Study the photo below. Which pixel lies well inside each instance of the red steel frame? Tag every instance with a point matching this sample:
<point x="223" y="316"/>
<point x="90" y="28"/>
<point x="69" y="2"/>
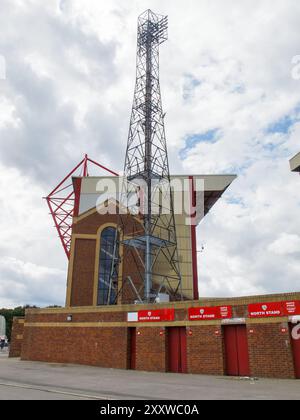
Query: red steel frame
<point x="194" y="240"/>
<point x="61" y="201"/>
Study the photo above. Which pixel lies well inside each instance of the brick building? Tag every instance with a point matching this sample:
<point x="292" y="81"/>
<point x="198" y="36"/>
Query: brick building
<point x="246" y="336"/>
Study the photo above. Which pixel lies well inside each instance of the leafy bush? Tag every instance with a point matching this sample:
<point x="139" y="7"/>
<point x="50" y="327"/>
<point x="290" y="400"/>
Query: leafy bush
<point x="10" y="313"/>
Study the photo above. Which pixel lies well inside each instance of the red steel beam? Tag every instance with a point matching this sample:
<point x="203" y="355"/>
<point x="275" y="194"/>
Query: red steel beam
<point x="62" y="208"/>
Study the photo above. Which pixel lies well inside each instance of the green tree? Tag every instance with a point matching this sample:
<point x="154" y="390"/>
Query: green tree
<point x="9" y="315"/>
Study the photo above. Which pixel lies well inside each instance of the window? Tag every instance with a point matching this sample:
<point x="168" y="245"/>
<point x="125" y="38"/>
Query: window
<point x="106" y="293"/>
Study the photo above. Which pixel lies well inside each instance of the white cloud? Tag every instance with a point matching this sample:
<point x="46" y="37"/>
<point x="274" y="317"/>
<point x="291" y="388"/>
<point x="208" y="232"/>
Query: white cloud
<point x="27" y="283"/>
<point x="286" y="244"/>
<point x="70" y="69"/>
<point x="32" y="263"/>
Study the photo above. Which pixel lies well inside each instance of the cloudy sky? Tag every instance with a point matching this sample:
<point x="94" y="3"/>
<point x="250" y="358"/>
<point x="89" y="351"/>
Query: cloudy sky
<point x="232" y="104"/>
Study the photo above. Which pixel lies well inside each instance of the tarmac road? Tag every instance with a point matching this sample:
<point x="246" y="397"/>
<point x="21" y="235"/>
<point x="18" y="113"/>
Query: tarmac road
<point x="21" y="380"/>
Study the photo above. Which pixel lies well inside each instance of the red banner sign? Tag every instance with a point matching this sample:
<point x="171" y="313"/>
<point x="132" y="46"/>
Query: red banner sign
<point x="270" y="309"/>
<point x="208" y="313"/>
<point x="263" y="310"/>
<point x="291" y="307"/>
<point x="156" y="315"/>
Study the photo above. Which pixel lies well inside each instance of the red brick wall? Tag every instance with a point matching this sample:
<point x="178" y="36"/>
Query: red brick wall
<point x="16" y="337"/>
<point x="85" y="260"/>
<point x="150" y="350"/>
<point x="78" y="317"/>
<point x="90" y="224"/>
<point x="105" y="347"/>
<point x="132" y="267"/>
<point x="83" y="273"/>
<point x="205" y="350"/>
<point x="270" y="351"/>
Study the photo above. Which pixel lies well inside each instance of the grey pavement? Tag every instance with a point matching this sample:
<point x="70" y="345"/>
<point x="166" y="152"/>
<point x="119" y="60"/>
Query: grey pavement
<point x="21" y="380"/>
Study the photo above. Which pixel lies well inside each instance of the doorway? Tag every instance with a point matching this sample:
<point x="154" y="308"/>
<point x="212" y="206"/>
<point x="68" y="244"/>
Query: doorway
<point x="132" y="348"/>
<point x="177" y="353"/>
<point x="295" y="332"/>
<point x="236" y="350"/>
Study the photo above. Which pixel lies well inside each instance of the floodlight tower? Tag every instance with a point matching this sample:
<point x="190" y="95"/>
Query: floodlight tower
<point x="146" y="164"/>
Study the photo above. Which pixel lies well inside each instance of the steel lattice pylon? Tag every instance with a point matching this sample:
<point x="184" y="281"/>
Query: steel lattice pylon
<point x="151" y="243"/>
<point x="61" y="201"/>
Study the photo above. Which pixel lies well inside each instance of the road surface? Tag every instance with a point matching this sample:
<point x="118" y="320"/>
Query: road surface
<point x="51" y="381"/>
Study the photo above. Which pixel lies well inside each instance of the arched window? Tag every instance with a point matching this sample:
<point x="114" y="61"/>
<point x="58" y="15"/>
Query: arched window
<point x="107" y="292"/>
